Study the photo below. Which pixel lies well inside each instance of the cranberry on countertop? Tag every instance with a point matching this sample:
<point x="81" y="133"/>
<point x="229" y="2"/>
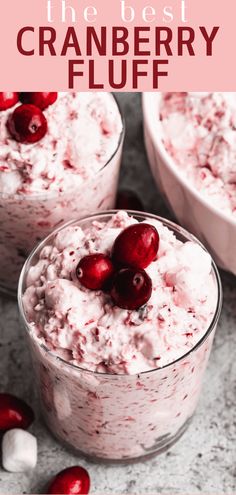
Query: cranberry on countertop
<point x="71" y="481"/>
<point x="8" y="100"/>
<point x="131" y="288"/>
<point x="40" y="100"/>
<point x="136" y="246"/>
<point x="14" y="413"/>
<point x="94" y="271"/>
<point x="27" y="124"/>
<point x="128" y="200"/>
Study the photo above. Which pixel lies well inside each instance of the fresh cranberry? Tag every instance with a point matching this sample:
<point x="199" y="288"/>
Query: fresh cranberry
<point x="14" y="413"/>
<point x="131" y="288"/>
<point x="136" y="246"/>
<point x="28" y="124"/>
<point x="94" y="271"/>
<point x="8" y="100"/>
<point x="71" y="481"/>
<point x="128" y="200"/>
<point x="40" y="100"/>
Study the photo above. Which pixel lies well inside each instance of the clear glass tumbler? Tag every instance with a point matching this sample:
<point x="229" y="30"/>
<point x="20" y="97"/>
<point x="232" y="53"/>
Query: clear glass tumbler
<point x="27" y="219"/>
<point x="119" y="417"/>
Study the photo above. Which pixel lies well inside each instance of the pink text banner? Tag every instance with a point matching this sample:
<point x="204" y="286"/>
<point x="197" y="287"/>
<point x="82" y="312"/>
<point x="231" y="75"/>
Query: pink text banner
<point x="118" y="45"/>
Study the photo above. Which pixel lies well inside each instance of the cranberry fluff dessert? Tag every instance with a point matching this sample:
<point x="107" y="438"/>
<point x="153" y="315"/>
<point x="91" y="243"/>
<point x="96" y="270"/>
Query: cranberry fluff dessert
<point x="120" y="310"/>
<point x="200" y="135"/>
<point x="59" y="159"/>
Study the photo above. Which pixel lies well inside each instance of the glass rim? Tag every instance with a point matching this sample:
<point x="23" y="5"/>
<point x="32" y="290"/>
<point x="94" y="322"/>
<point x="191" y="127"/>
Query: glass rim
<point x="136" y="214"/>
<point x="44" y="195"/>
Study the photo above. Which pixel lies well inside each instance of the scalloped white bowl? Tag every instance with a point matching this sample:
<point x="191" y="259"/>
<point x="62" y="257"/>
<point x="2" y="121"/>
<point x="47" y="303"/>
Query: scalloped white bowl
<point x="216" y="229"/>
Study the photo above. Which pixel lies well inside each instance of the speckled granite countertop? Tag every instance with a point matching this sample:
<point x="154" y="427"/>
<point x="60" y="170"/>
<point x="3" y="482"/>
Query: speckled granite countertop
<point x="203" y="461"/>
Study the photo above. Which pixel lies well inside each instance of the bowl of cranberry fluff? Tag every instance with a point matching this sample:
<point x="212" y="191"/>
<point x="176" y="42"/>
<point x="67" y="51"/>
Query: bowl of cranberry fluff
<point x="120" y="311"/>
<point x="60" y="156"/>
<point x="191" y="144"/>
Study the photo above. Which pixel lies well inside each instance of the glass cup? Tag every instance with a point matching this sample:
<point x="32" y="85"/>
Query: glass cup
<point x="119" y="417"/>
<point x="25" y="220"/>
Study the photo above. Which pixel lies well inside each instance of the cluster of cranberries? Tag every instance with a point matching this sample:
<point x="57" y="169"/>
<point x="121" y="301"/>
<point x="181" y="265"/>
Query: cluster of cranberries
<point x="15" y="413"/>
<point x="28" y="123"/>
<point x="123" y="273"/>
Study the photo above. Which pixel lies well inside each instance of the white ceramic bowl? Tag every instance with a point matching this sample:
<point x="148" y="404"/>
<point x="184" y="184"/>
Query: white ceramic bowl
<point x="216" y="229"/>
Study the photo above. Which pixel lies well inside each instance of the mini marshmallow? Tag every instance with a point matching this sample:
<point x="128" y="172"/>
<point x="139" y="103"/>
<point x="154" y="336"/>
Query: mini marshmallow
<point x="19" y="451"/>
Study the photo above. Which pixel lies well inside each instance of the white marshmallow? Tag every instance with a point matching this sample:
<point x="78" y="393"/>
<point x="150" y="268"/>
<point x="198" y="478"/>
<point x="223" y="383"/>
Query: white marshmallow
<point x="19" y="451"/>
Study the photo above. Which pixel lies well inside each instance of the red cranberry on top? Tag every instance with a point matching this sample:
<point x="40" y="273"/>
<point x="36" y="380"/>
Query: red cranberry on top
<point x="136" y="246"/>
<point x="8" y="100"/>
<point x="27" y="124"/>
<point x="94" y="271"/>
<point x="131" y="288"/>
<point x="40" y="100"/>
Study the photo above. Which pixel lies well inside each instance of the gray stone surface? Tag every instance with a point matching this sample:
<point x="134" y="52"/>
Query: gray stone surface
<point x="203" y="461"/>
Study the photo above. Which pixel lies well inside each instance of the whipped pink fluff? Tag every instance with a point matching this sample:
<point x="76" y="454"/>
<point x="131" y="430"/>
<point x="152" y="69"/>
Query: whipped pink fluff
<point x="200" y="134"/>
<point x="85" y="328"/>
<point x="83" y="133"/>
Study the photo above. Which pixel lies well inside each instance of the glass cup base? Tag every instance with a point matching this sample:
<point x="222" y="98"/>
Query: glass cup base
<point x="162" y="445"/>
